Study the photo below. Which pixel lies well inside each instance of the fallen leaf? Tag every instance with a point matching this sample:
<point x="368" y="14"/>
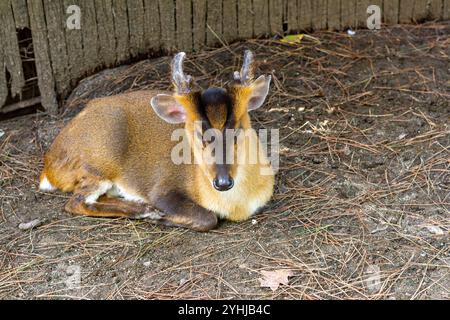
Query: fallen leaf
<point x="30" y="225"/>
<point x="273" y="279"/>
<point x="293" y="38"/>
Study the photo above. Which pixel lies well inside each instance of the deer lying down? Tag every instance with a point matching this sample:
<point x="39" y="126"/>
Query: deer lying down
<point x="115" y="155"/>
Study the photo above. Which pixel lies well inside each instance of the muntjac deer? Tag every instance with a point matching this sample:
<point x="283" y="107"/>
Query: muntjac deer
<point x="115" y="155"/>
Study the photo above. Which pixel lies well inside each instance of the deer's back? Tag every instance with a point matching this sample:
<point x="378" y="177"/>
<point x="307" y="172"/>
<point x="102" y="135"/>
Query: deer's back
<point x="119" y="138"/>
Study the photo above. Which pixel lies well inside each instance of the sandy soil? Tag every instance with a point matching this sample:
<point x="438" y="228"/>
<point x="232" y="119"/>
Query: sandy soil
<point x="361" y="207"/>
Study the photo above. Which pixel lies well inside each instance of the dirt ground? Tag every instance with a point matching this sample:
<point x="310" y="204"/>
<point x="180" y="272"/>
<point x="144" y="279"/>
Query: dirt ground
<point x="361" y="206"/>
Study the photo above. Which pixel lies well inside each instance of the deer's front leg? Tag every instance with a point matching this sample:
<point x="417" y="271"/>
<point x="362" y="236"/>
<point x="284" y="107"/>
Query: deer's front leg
<point x="180" y="211"/>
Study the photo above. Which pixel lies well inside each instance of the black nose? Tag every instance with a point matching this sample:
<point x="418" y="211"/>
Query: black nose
<point x="223" y="183"/>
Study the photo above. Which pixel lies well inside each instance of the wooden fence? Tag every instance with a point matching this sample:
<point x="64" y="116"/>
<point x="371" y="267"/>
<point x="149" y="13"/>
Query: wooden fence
<point x="43" y="59"/>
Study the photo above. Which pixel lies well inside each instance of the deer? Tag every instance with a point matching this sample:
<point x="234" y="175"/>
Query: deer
<point x="115" y="158"/>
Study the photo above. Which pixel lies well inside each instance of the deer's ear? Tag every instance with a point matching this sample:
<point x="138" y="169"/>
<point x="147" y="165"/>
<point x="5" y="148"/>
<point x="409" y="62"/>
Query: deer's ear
<point x="168" y="109"/>
<point x="259" y="90"/>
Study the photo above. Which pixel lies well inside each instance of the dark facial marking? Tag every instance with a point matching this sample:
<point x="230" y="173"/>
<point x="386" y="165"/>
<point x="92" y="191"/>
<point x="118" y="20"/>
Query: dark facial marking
<point x="215" y="107"/>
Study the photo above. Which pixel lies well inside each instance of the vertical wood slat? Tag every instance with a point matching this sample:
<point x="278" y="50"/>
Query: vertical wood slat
<point x="74" y="43"/>
<point x="20" y="13"/>
<point x="167" y="18"/>
<point x="90" y="35"/>
<point x="292" y="15"/>
<point x="390" y="11"/>
<point x="361" y="12"/>
<point x="319" y="14"/>
<point x="406" y="11"/>
<point x="229" y="20"/>
<point x="46" y="81"/>
<point x="199" y="17"/>
<point x="3" y="84"/>
<point x="106" y="38"/>
<point x="136" y="26"/>
<point x="305" y="14"/>
<point x="213" y="21"/>
<point x="245" y="19"/>
<point x="420" y="10"/>
<point x="334" y="14"/>
<point x="56" y="24"/>
<point x="152" y="26"/>
<point x="184" y="25"/>
<point x="10" y="47"/>
<point x="435" y="9"/>
<point x="276" y="16"/>
<point x="261" y="25"/>
<point x="348" y="14"/>
<point x="121" y="30"/>
<point x="446" y="10"/>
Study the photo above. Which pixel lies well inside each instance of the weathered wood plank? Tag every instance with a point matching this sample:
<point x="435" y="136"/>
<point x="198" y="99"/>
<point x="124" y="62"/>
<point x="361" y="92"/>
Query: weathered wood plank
<point x="261" y="26"/>
<point x="21" y="105"/>
<point x="420" y="10"/>
<point x="56" y="23"/>
<point x="348" y="14"/>
<point x="74" y="44"/>
<point x="361" y="12"/>
<point x="292" y="15"/>
<point x="3" y="84"/>
<point x="10" y="48"/>
<point x="136" y="26"/>
<point x="106" y="37"/>
<point x="152" y="28"/>
<point x="46" y="81"/>
<point x="334" y="14"/>
<point x="213" y="21"/>
<point x="90" y="36"/>
<point x="276" y="16"/>
<point x="406" y="11"/>
<point x="435" y="9"/>
<point x="446" y="10"/>
<point x="390" y="11"/>
<point x="20" y="13"/>
<point x="121" y="30"/>
<point x="245" y="19"/>
<point x="184" y="24"/>
<point x="319" y="14"/>
<point x="305" y="14"/>
<point x="167" y="17"/>
<point x="230" y="27"/>
<point x="199" y="17"/>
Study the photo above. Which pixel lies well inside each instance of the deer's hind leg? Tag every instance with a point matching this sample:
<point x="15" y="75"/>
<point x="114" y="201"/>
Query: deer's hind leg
<point x="89" y="200"/>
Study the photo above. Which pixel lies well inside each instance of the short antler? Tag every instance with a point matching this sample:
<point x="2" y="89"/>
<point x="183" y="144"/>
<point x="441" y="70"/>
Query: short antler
<point x="181" y="81"/>
<point x="245" y="76"/>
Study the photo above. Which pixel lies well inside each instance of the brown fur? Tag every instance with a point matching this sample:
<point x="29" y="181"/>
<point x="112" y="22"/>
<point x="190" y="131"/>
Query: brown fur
<point x="122" y="141"/>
